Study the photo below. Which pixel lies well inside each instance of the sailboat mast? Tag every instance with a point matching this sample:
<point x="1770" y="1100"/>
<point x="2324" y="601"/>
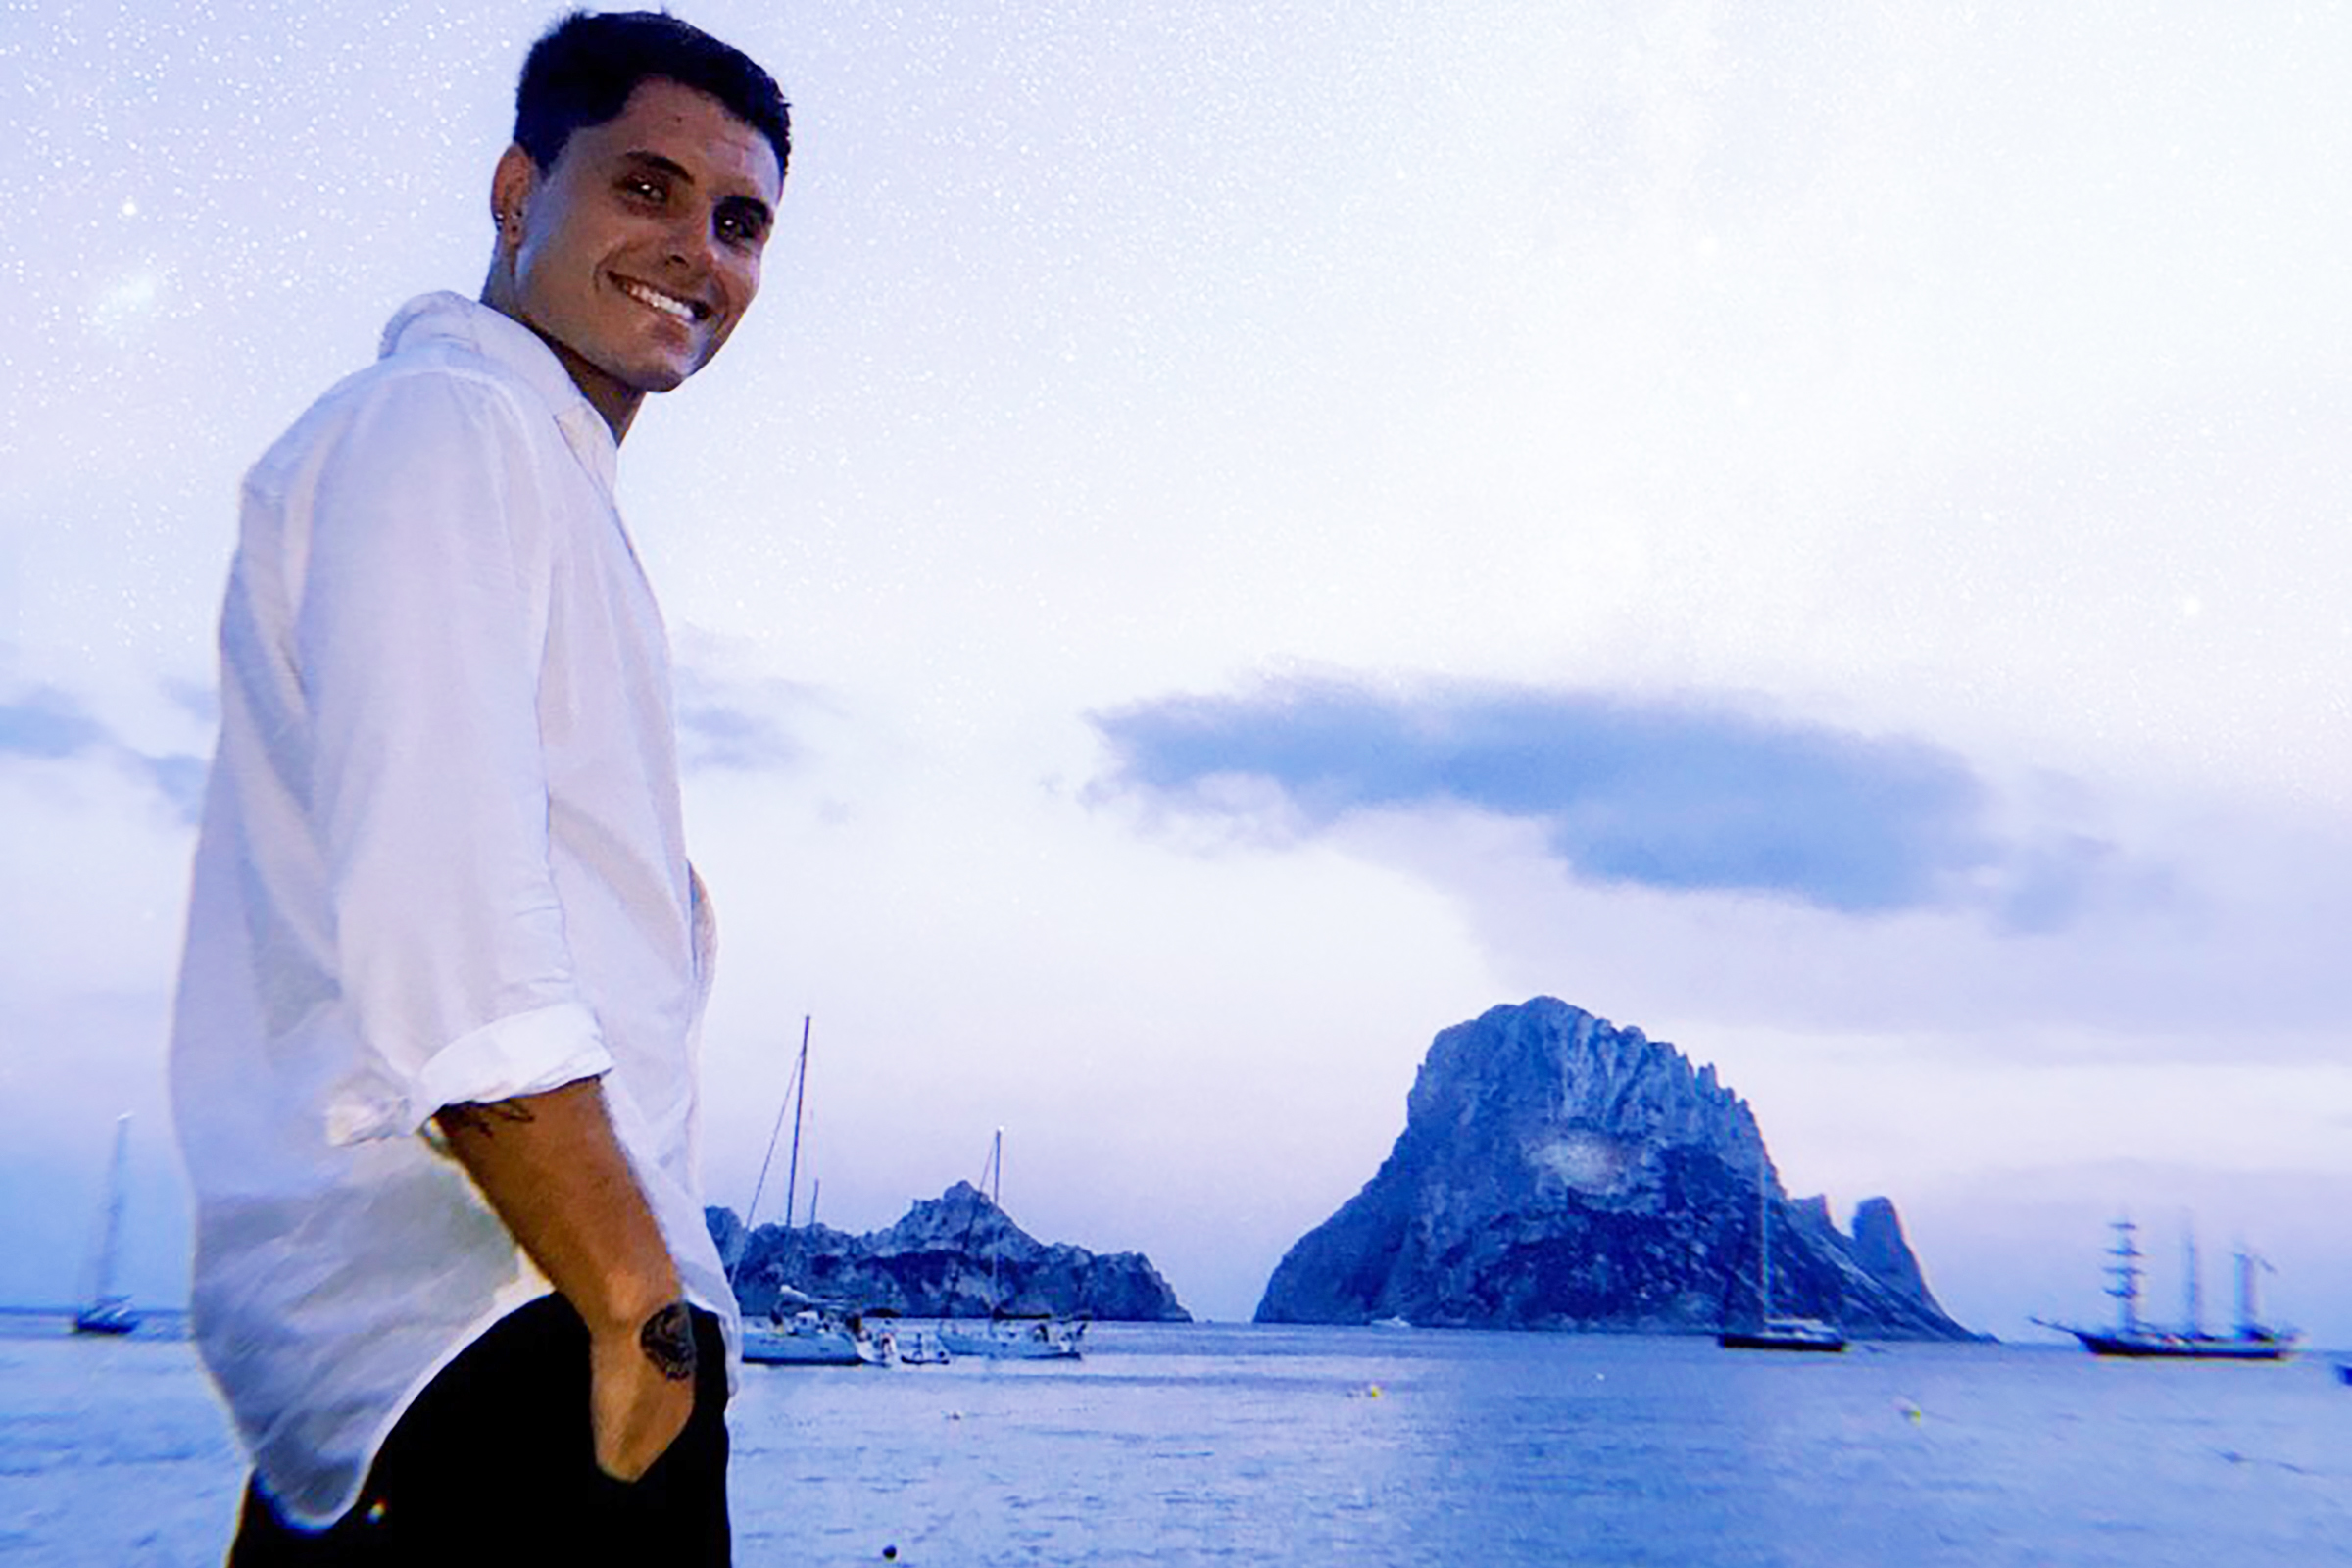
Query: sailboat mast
<point x="2192" y="1293"/>
<point x="2126" y="1271"/>
<point x="995" y="1193"/>
<point x="2249" y="1321"/>
<point x="800" y="1094"/>
<point x="775" y="1132"/>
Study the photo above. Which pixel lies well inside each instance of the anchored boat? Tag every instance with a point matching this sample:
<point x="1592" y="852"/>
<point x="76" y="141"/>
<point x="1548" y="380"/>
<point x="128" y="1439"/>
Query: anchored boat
<point x="1005" y="1336"/>
<point x="800" y="1330"/>
<point x="816" y="1335"/>
<point x="105" y="1311"/>
<point x="2249" y="1340"/>
<point x="1775" y="1331"/>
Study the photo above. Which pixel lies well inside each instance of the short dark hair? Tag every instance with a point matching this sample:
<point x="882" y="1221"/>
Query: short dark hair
<point x="584" y="68"/>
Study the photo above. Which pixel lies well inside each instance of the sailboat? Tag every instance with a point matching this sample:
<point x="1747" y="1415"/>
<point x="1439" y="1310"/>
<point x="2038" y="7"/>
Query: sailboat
<point x="105" y="1310"/>
<point x="1005" y="1336"/>
<point x="1773" y="1331"/>
<point x="2250" y="1339"/>
<point x="814" y="1333"/>
<point x="799" y="1329"/>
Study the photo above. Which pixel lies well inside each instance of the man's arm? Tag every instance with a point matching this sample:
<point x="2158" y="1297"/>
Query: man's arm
<point x="553" y="1171"/>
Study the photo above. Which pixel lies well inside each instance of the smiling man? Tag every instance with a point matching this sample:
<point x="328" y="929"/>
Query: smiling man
<point x="433" y="1060"/>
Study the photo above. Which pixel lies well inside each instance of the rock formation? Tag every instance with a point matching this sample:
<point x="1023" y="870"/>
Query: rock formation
<point x="1878" y="1245"/>
<point x="1557" y="1172"/>
<point x="957" y="1255"/>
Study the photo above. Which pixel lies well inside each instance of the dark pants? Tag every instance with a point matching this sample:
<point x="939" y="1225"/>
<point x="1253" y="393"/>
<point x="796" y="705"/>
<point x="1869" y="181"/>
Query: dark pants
<point x="495" y="1462"/>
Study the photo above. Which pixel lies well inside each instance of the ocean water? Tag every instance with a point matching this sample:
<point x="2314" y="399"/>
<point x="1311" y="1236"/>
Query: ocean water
<point x="1226" y="1444"/>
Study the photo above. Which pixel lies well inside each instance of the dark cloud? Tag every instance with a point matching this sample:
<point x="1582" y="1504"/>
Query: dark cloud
<point x="1674" y="795"/>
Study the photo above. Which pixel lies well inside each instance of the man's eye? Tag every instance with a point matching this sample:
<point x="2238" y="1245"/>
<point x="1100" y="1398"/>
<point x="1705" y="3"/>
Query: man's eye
<point x="642" y="187"/>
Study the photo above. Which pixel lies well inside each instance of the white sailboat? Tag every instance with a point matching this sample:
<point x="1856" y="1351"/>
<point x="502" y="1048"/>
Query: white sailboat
<point x="799" y="1329"/>
<point x="813" y="1334"/>
<point x="1775" y="1331"/>
<point x="1008" y="1335"/>
<point x="105" y="1310"/>
<point x="1014" y="1337"/>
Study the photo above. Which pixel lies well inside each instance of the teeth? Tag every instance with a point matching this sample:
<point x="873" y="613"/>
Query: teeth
<point x="659" y="301"/>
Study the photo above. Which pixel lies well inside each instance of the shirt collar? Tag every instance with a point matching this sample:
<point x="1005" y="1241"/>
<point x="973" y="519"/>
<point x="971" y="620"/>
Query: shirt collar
<point x="454" y="318"/>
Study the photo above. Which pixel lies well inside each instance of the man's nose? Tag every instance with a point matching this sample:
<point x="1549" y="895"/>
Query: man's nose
<point x="691" y="240"/>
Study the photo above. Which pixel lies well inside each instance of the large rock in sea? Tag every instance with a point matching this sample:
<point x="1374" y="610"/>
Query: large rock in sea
<point x="957" y="1256"/>
<point x="1557" y="1172"/>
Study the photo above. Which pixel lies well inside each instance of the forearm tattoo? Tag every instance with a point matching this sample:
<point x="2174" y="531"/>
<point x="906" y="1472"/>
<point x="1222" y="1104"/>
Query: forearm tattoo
<point x="668" y="1341"/>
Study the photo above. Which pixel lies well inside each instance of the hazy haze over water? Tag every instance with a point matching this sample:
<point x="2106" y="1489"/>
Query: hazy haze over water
<point x="1393" y="1447"/>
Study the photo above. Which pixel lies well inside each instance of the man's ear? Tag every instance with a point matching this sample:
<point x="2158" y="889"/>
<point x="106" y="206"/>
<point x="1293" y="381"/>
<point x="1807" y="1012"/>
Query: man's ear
<point x="510" y="186"/>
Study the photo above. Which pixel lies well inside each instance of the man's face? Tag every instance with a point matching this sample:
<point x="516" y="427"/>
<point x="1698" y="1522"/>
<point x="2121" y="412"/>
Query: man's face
<point x="638" y="251"/>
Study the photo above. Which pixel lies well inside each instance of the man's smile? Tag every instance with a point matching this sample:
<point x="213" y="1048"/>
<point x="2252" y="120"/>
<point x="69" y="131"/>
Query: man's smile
<point x="688" y="311"/>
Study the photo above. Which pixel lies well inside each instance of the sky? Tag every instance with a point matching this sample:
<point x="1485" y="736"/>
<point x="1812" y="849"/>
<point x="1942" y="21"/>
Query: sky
<point x="1236" y="537"/>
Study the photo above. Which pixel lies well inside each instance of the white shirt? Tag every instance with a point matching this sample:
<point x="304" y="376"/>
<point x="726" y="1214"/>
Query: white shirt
<point x="441" y="860"/>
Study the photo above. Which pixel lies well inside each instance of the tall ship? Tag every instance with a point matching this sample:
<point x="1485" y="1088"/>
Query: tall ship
<point x="2249" y="1339"/>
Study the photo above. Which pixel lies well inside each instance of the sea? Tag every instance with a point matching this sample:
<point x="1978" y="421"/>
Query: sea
<point x="1230" y="1443"/>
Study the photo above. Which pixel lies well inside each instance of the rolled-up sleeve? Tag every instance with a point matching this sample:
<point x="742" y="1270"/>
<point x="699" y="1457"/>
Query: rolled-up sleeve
<point x="420" y="636"/>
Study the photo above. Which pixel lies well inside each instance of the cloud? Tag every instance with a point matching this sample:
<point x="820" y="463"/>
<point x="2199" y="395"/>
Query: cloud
<point x="1680" y="795"/>
<point x="46" y="723"/>
<point x="737" y="722"/>
<point x="51" y="726"/>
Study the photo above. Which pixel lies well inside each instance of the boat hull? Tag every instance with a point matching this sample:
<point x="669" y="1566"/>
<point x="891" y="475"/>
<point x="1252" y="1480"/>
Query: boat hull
<point x="1760" y="1340"/>
<point x="924" y="1347"/>
<point x="809" y="1341"/>
<point x="1778" y="1332"/>
<point x="1014" y="1339"/>
<point x="791" y="1350"/>
<point x="2183" y="1347"/>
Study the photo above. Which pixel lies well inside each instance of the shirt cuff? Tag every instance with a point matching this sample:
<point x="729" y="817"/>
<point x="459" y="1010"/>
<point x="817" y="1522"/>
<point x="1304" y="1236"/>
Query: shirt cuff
<point x="527" y="1054"/>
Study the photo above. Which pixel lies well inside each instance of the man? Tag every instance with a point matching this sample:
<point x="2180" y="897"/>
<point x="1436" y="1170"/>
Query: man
<point x="433" y="1062"/>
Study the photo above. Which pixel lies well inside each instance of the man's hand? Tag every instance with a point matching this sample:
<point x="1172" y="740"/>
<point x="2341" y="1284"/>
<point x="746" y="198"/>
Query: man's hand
<point x="640" y="1391"/>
